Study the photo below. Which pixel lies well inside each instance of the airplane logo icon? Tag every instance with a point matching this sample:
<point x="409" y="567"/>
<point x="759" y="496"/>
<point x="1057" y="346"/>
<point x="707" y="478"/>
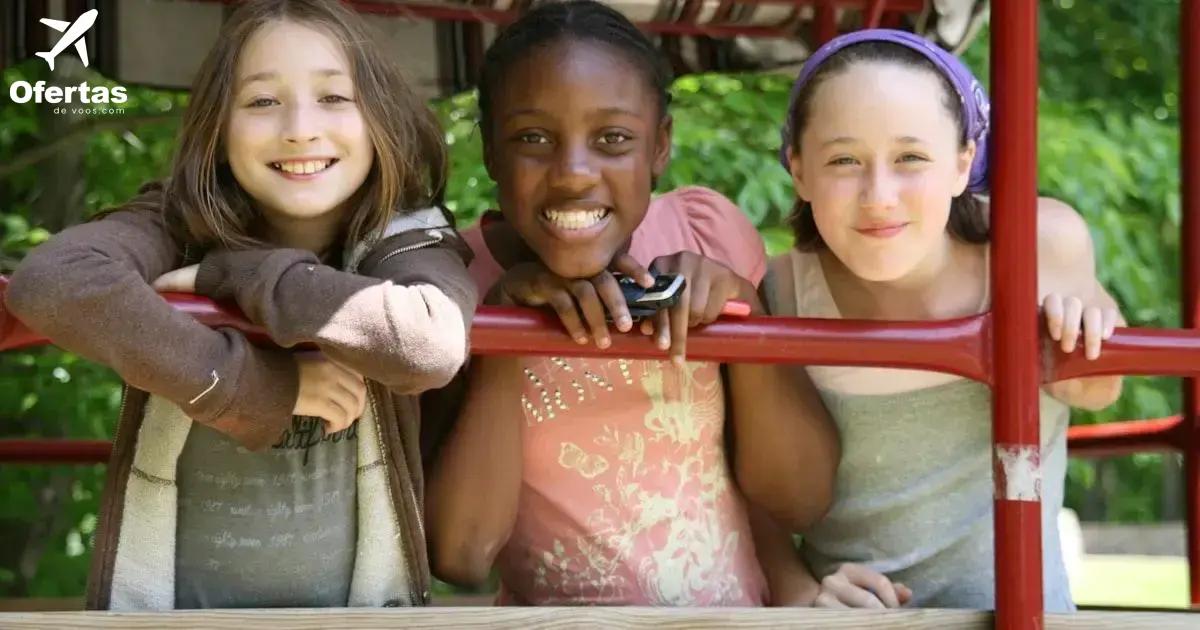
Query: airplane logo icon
<point x="73" y="34"/>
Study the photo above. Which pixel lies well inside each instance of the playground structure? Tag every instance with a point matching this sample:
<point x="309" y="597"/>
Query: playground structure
<point x="1002" y="348"/>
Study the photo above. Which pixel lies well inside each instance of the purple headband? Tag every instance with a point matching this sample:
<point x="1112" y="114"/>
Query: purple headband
<point x="971" y="95"/>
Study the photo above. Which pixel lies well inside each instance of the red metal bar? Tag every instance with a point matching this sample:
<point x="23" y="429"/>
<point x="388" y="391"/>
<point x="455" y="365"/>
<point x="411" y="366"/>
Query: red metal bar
<point x="1015" y="426"/>
<point x="825" y="22"/>
<point x="955" y="346"/>
<point x="1145" y="351"/>
<point x="873" y="13"/>
<point x="48" y="451"/>
<point x="1189" y="117"/>
<point x="1113" y="439"/>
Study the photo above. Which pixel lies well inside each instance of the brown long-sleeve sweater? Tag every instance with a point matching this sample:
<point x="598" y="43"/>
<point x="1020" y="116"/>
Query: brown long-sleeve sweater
<point x="403" y="323"/>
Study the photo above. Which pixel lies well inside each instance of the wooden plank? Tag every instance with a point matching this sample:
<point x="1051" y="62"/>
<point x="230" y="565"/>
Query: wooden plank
<point x="590" y="617"/>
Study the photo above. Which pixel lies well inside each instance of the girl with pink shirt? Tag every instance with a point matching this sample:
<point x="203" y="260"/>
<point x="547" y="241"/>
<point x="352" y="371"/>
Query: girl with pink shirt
<point x="606" y="481"/>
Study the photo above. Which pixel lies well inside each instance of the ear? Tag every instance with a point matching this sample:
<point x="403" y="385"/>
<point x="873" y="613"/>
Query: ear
<point x="662" y="146"/>
<point x="487" y="155"/>
<point x="963" y="168"/>
<point x="795" y="167"/>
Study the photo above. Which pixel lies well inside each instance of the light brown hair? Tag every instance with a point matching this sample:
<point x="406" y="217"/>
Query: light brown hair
<point x="204" y="202"/>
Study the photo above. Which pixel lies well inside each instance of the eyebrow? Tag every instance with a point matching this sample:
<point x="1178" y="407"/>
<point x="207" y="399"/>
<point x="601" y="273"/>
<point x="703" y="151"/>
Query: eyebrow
<point x="849" y="140"/>
<point x="533" y="111"/>
<point x="269" y="75"/>
<point x="838" y="140"/>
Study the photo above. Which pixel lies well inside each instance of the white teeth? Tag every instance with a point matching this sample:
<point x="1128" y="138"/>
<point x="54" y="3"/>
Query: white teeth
<point x="305" y="167"/>
<point x="575" y="219"/>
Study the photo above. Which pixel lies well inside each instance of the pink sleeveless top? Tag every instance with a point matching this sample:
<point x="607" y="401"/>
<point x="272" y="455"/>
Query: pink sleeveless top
<point x="627" y="498"/>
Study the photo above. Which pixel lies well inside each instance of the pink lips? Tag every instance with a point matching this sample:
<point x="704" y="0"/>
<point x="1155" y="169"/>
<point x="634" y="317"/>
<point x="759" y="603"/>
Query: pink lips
<point x="881" y="230"/>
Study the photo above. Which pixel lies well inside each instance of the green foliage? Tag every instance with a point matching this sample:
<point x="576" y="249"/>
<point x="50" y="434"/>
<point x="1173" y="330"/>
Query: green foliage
<point x="47" y="513"/>
<point x="1112" y="56"/>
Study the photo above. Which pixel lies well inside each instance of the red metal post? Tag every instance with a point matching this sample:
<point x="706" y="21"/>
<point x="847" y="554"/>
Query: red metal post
<point x="825" y="21"/>
<point x="873" y="13"/>
<point x="1114" y="439"/>
<point x="1016" y="350"/>
<point x="54" y="451"/>
<point x="1189" y="121"/>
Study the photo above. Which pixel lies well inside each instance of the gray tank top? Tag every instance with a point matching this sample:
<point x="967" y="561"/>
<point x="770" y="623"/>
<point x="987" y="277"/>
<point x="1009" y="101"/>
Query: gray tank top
<point x="914" y="487"/>
<point x="271" y="529"/>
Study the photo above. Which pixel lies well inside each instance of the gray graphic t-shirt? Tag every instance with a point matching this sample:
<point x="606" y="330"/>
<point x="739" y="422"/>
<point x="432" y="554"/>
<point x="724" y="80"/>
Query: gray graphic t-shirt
<point x="269" y="529"/>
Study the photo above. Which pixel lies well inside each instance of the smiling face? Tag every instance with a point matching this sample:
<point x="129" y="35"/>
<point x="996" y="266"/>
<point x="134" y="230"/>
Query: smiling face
<point x="296" y="140"/>
<point x="880" y="161"/>
<point x="575" y="139"/>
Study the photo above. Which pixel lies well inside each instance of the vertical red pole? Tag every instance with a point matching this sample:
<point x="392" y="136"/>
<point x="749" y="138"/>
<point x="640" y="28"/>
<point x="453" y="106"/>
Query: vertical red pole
<point x="1015" y="427"/>
<point x="873" y="13"/>
<point x="1189" y="122"/>
<point x="825" y="21"/>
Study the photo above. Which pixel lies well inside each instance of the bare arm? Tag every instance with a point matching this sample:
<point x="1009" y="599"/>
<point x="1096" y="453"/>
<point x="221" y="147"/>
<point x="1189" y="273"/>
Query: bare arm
<point x="474" y="484"/>
<point x="1067" y="277"/>
<point x="88" y="289"/>
<point x="788" y="578"/>
<point x="786" y="447"/>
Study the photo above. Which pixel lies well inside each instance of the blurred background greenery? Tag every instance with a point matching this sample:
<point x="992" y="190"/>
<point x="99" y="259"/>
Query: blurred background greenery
<point x="1108" y="146"/>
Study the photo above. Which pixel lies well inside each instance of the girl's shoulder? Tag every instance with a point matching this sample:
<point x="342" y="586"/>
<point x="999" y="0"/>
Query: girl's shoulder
<point x="1063" y="239"/>
<point x="711" y="224"/>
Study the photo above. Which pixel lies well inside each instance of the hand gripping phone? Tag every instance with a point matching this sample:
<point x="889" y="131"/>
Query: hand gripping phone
<point x="643" y="302"/>
<point x="665" y="293"/>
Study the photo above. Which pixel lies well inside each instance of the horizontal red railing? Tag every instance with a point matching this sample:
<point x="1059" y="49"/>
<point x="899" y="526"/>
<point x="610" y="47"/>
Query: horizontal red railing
<point x="955" y="346"/>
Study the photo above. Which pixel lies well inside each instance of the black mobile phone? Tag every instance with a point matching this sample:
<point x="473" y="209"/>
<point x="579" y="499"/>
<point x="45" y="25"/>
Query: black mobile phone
<point x="643" y="302"/>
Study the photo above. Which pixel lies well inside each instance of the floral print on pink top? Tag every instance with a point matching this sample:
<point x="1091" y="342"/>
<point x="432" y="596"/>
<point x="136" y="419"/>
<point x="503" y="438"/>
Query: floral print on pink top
<point x="627" y="497"/>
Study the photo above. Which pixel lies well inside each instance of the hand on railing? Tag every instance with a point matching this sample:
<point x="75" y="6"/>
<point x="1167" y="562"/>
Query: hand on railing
<point x="959" y="346"/>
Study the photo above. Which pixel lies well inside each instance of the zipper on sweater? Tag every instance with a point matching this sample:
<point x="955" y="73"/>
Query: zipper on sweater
<point x="435" y="238"/>
<point x="417" y="588"/>
<point x="121" y="414"/>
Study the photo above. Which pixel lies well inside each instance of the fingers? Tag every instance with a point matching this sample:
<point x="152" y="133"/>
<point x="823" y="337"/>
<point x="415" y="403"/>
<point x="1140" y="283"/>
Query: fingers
<point x="662" y="329"/>
<point x="825" y="599"/>
<point x="626" y="264"/>
<point x="329" y="391"/>
<point x="849" y="594"/>
<point x="345" y="396"/>
<point x="1111" y="319"/>
<point x="903" y="593"/>
<point x="182" y="280"/>
<point x="678" y="326"/>
<point x="1093" y="332"/>
<point x="614" y="301"/>
<point x="1067" y="319"/>
<point x="593" y="311"/>
<point x="568" y="314"/>
<point x="699" y="289"/>
<point x="720" y="294"/>
<point x="1052" y="308"/>
<point x="873" y="581"/>
<point x="1071" y="320"/>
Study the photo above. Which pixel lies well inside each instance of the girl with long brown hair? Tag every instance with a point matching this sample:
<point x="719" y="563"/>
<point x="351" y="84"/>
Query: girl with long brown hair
<point x="257" y="476"/>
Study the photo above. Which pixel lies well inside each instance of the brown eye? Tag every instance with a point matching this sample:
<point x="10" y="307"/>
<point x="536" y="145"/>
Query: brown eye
<point x="533" y="138"/>
<point x="843" y="161"/>
<point x="614" y="137"/>
<point x="262" y="101"/>
<point x="334" y="99"/>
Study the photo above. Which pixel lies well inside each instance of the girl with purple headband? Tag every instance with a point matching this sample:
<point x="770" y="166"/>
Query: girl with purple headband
<point x="886" y="141"/>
